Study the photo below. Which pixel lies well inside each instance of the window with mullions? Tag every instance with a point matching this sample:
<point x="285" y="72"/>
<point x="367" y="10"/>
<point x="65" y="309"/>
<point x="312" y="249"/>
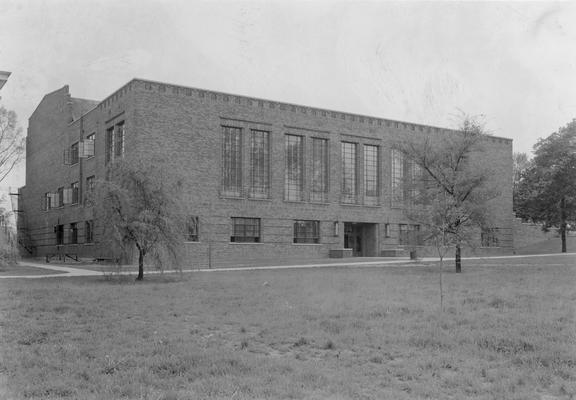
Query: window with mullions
<point x="74" y="154"/>
<point x="109" y="145"/>
<point x="245" y="230"/>
<point x="119" y="140"/>
<point x="114" y="142"/>
<point x="319" y="178"/>
<point x="231" y="161"/>
<point x="489" y="237"/>
<point x="294" y="178"/>
<point x="306" y="231"/>
<point x="74" y="187"/>
<point x="349" y="173"/>
<point x="409" y="235"/>
<point x="60" y="197"/>
<point x="89" y="231"/>
<point x="371" y="175"/>
<point x="397" y="177"/>
<point x="259" y="164"/>
<point x="192" y="229"/>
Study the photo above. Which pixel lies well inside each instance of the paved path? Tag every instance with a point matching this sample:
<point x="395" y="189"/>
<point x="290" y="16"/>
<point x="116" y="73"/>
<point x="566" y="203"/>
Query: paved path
<point x="68" y="272"/>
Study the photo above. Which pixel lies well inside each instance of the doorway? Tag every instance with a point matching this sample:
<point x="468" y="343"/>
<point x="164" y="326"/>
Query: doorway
<point x="362" y="238"/>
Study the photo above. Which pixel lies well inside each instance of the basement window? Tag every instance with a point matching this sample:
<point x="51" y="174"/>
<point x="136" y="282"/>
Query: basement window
<point x="245" y="230"/>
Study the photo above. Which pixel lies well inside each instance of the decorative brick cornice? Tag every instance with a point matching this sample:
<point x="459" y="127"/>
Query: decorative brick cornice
<point x="211" y="95"/>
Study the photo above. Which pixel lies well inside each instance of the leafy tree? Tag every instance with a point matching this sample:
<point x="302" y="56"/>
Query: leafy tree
<point x="547" y="192"/>
<point x="521" y="163"/>
<point x="11" y="142"/>
<point x="139" y="204"/>
<point x="451" y="193"/>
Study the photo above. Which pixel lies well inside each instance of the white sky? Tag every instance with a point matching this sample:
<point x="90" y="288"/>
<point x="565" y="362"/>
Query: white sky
<point x="513" y="62"/>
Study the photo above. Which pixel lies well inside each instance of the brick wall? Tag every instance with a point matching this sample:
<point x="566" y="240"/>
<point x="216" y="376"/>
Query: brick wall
<point x="182" y="127"/>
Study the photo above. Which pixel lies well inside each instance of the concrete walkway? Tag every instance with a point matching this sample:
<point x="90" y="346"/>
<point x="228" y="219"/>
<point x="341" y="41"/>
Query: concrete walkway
<point x="68" y="272"/>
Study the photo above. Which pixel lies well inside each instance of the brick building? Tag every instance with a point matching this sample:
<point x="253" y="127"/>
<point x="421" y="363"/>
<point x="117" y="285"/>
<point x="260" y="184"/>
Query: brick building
<point x="265" y="180"/>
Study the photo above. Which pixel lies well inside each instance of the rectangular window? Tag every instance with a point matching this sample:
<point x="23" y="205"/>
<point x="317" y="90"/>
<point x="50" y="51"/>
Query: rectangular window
<point x="89" y="231"/>
<point x="73" y="233"/>
<point x="59" y="229"/>
<point x="89" y="189"/>
<point x="87" y="146"/>
<point x="61" y="197"/>
<point x="409" y="235"/>
<point x="349" y="173"/>
<point x="319" y="178"/>
<point x="75" y="193"/>
<point x="294" y="178"/>
<point x="119" y="140"/>
<point x="306" y="231"/>
<point x="489" y="237"/>
<point x="74" y="154"/>
<point x="371" y="174"/>
<point x="259" y="164"/>
<point x="232" y="161"/>
<point x="245" y="230"/>
<point x="192" y="229"/>
<point x="397" y="177"/>
<point x="109" y="145"/>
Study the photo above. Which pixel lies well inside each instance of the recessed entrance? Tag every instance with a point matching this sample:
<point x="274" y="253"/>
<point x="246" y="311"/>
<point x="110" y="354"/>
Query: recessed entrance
<point x="362" y="238"/>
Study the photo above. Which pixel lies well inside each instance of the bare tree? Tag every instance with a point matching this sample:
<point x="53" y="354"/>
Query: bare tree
<point x="452" y="187"/>
<point x="11" y="142"/>
<point x="139" y="205"/>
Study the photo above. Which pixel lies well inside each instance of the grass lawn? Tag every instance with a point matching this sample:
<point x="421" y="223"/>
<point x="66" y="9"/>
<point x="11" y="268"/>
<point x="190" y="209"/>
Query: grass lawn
<point x="10" y="270"/>
<point x="508" y="332"/>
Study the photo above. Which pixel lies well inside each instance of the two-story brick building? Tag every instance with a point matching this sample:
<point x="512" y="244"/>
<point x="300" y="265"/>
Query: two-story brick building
<point x="264" y="180"/>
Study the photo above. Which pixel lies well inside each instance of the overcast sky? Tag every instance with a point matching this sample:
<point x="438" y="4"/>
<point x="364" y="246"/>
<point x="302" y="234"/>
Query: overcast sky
<point x="513" y="62"/>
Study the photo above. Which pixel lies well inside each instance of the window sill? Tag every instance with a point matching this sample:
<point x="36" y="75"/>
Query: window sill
<point x="192" y="241"/>
<point x="306" y="244"/>
<point x="244" y="243"/>
<point x="258" y="199"/>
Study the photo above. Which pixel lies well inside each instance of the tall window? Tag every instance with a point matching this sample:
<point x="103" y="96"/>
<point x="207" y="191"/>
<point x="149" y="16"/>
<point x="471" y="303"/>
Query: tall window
<point x="306" y="231"/>
<point x="349" y="172"/>
<point x="119" y="140"/>
<point x="232" y="161"/>
<point x="294" y="178"/>
<point x="319" y="184"/>
<point x="89" y="189"/>
<point x="413" y="182"/>
<point x="245" y="230"/>
<point x="109" y="145"/>
<point x="192" y="231"/>
<point x="397" y="176"/>
<point x="74" y="187"/>
<point x="89" y="231"/>
<point x="73" y="233"/>
<point x="259" y="164"/>
<point x="371" y="175"/>
<point x="61" y="197"/>
<point x="114" y="142"/>
<point x="74" y="154"/>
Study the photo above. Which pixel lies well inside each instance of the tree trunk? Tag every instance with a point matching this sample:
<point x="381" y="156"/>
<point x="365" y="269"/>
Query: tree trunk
<point x="140" y="265"/>
<point x="458" y="258"/>
<point x="563" y="223"/>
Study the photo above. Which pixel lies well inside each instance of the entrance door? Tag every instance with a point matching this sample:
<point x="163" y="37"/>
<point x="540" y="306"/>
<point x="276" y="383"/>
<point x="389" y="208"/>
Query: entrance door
<point x="353" y="238"/>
